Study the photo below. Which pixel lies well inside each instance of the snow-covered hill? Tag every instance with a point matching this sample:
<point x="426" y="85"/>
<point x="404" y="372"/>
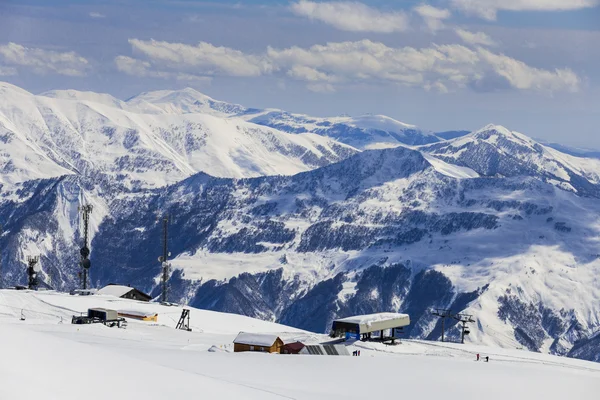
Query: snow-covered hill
<point x="153" y="360"/>
<point x="97" y="136"/>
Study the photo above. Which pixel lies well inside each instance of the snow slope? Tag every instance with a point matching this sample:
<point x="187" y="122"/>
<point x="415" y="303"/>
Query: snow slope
<point x="154" y="361"/>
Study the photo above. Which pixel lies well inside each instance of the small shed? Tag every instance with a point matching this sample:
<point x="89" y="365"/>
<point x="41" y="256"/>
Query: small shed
<point x="124" y="292"/>
<point x="292" y="348"/>
<point x="262" y="342"/>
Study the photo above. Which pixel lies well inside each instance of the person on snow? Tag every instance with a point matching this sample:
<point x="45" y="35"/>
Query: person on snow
<point x="477" y="357"/>
<point x="487" y="359"/>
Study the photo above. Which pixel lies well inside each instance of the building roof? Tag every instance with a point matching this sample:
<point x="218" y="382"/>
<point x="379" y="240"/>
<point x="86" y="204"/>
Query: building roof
<point x="294" y="346"/>
<point x="325" y="350"/>
<point x="138" y="313"/>
<point x="115" y="290"/>
<point x="371" y="318"/>
<point x="373" y="322"/>
<point x="256" y="339"/>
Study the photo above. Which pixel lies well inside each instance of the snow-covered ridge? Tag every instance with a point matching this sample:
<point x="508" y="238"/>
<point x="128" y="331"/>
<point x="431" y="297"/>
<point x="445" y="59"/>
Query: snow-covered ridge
<point x="95" y="135"/>
<point x="495" y="150"/>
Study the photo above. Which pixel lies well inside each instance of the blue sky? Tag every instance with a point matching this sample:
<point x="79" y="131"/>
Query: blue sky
<point x="531" y="65"/>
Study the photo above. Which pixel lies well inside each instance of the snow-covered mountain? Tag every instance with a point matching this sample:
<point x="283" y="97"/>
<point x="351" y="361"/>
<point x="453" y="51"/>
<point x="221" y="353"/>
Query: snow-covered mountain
<point x="67" y="132"/>
<point x="363" y="132"/>
<point x="491" y="223"/>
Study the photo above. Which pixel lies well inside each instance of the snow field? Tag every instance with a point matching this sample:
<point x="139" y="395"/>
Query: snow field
<point x="155" y="361"/>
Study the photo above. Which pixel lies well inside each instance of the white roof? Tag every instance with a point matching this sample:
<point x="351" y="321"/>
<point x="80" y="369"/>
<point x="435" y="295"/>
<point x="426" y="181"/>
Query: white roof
<point x="379" y="321"/>
<point x="115" y="290"/>
<point x="138" y="313"/>
<point x="370" y="318"/>
<point x="256" y="339"/>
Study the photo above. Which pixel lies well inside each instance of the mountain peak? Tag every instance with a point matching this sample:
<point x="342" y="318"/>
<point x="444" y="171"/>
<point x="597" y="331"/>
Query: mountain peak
<point x="7" y="87"/>
<point x="183" y="101"/>
<point x="77" y="95"/>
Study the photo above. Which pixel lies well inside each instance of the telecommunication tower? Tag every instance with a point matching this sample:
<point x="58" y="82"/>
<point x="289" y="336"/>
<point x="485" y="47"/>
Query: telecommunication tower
<point x="85" y="262"/>
<point x="31" y="272"/>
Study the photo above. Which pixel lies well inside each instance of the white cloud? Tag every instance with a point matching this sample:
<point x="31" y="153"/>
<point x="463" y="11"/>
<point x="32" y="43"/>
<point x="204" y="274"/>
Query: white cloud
<point x="143" y="69"/>
<point x="203" y="59"/>
<point x="433" y="17"/>
<point x="475" y="38"/>
<point x="522" y="76"/>
<point x="7" y="71"/>
<point x="442" y="68"/>
<point x="352" y="16"/>
<point x="320" y="87"/>
<point x="42" y="61"/>
<point x="488" y="9"/>
<point x="323" y="67"/>
<point x="95" y="14"/>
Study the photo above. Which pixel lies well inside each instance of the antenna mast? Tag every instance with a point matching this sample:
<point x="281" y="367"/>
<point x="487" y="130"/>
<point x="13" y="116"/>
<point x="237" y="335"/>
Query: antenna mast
<point x="164" y="259"/>
<point x="31" y="273"/>
<point x="85" y="262"/>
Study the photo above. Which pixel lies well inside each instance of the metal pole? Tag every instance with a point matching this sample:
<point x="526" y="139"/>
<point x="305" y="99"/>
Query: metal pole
<point x="164" y="259"/>
<point x="443" y="319"/>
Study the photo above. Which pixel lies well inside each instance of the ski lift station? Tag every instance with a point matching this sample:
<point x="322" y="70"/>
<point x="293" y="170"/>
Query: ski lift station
<point x="361" y="327"/>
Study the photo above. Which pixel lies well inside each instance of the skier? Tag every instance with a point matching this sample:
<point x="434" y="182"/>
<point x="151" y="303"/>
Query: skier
<point x="359" y="353"/>
<point x="487" y="359"/>
<point x="477" y="357"/>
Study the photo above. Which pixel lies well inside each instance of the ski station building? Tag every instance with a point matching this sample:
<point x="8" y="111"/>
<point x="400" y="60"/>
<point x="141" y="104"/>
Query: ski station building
<point x="361" y="327"/>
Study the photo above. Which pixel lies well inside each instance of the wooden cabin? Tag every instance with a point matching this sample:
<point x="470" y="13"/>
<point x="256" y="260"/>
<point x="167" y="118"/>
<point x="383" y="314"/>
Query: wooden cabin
<point x="261" y="342"/>
<point x="124" y="292"/>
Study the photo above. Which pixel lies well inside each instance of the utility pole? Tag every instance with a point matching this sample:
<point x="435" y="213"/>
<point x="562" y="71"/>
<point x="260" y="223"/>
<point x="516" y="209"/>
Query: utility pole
<point x="85" y="262"/>
<point x="443" y="314"/>
<point x="31" y="272"/>
<point x="164" y="259"/>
